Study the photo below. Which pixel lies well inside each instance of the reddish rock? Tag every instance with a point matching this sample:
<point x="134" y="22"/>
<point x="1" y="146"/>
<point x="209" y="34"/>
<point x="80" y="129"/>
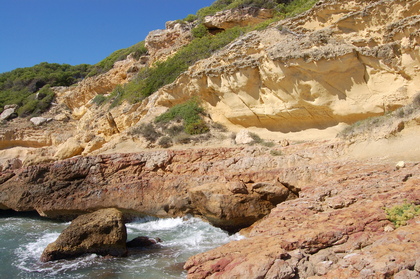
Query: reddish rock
<point x="336" y="229"/>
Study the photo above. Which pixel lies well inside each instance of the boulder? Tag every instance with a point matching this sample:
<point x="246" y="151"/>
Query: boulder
<point x="38" y="121"/>
<point x="72" y="147"/>
<point x="102" y="232"/>
<point x="8" y="113"/>
<point x="232" y="207"/>
<point x="243" y="137"/>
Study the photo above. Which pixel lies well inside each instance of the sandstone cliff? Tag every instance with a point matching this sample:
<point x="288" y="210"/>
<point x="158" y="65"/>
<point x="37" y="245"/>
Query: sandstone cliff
<point x="300" y="78"/>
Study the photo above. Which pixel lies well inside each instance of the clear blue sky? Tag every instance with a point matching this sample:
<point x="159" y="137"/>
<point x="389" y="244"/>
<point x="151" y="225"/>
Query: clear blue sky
<point x="80" y="31"/>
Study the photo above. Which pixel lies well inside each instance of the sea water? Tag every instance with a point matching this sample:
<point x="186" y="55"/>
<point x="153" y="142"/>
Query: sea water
<point x="23" y="238"/>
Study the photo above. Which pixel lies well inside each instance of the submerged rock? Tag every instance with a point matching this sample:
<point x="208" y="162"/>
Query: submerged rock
<point x="142" y="241"/>
<point x="102" y="232"/>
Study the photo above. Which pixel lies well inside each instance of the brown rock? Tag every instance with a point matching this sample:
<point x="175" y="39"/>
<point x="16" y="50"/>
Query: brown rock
<point x="234" y="210"/>
<point x="102" y="232"/>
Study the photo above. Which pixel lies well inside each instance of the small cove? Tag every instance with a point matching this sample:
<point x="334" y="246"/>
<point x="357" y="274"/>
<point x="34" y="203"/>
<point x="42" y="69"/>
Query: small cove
<point x="23" y="237"/>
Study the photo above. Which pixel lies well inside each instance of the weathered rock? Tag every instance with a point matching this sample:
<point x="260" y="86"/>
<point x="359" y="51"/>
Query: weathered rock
<point x="102" y="232"/>
<point x="38" y="121"/>
<point x="163" y="43"/>
<point x="243" y="137"/>
<point x="233" y="210"/>
<point x="162" y="183"/>
<point x="310" y="238"/>
<point x="72" y="147"/>
<point x="236" y="17"/>
<point x="8" y="113"/>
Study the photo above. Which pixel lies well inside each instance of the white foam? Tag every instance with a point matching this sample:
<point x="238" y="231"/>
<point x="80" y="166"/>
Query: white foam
<point x="155" y="225"/>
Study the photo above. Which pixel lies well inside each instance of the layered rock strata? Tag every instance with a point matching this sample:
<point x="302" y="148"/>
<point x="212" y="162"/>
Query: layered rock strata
<point x="338" y="228"/>
<point x="330" y="65"/>
<point x="227" y="186"/>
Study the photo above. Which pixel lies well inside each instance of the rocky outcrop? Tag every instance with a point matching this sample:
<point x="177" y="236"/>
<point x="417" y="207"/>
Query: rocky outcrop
<point x="76" y="97"/>
<point x="301" y="78"/>
<point x="161" y="44"/>
<point x="236" y="17"/>
<point x="218" y="184"/>
<point x="102" y="232"/>
<point x="336" y="229"/>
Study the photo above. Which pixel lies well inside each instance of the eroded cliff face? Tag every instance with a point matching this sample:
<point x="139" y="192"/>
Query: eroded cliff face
<point x="301" y="78"/>
<point x="339" y="62"/>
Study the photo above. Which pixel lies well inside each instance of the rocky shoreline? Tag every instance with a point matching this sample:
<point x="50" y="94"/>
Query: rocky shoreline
<point x="313" y="212"/>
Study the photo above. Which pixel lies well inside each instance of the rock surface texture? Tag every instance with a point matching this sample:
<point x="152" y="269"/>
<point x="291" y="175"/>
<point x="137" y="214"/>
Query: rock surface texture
<point x="331" y="65"/>
<point x="308" y="209"/>
<point x="336" y="229"/>
<point x="218" y="184"/>
<point x="102" y="232"/>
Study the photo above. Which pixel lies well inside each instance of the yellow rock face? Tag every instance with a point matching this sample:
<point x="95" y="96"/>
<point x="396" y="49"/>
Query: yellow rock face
<point x="301" y="78"/>
<point x="338" y="63"/>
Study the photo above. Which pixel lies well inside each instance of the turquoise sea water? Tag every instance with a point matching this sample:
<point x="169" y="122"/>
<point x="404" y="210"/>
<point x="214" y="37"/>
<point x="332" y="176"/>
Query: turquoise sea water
<point x="24" y="237"/>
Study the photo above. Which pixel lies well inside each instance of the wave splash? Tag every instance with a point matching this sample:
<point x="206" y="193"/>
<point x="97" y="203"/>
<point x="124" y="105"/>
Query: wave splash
<point x="181" y="238"/>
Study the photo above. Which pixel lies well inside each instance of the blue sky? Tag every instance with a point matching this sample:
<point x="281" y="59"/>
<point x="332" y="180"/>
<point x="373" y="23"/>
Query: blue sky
<point x="80" y="31"/>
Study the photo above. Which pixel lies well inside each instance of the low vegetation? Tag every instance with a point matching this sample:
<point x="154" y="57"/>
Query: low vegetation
<point x="18" y="86"/>
<point x="181" y="124"/>
<point x="282" y="8"/>
<point x="256" y="139"/>
<point x="189" y="113"/>
<point x="400" y="214"/>
<point x="105" y="65"/>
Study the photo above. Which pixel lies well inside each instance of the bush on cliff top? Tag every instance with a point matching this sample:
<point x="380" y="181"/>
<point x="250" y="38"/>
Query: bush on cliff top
<point x="106" y="64"/>
<point x="283" y="7"/>
<point x="18" y="86"/>
<point x="151" y="79"/>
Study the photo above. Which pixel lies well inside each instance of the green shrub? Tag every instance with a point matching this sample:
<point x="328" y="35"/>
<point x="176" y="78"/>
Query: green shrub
<point x="106" y="64"/>
<point x="99" y="99"/>
<point x="400" y="214"/>
<point x="199" y="31"/>
<point x="18" y="85"/>
<point x="190" y="18"/>
<point x="196" y="128"/>
<point x="38" y="103"/>
<point x="190" y="113"/>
